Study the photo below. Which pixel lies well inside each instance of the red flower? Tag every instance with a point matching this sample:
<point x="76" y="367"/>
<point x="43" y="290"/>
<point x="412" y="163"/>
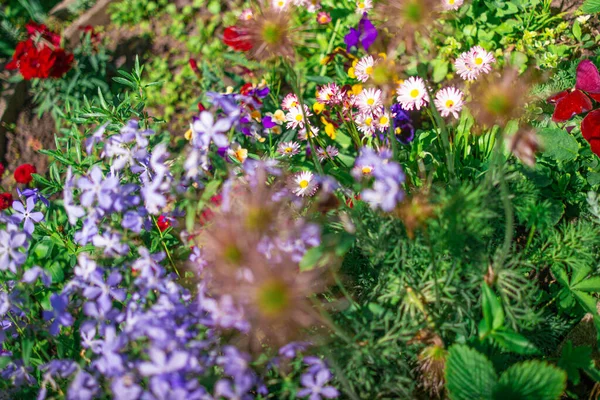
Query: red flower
<point x="6" y="200"/>
<point x="23" y="173"/>
<point x="40" y="61"/>
<point x="234" y="37"/>
<point x="163" y="223"/>
<point x="2" y="169"/>
<point x="42" y="30"/>
<point x="94" y="36"/>
<point x="590" y="129"/>
<point x="201" y="107"/>
<point x="194" y="65"/>
<point x="62" y="63"/>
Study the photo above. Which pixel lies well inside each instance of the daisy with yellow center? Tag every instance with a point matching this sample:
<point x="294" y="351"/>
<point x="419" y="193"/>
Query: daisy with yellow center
<point x="329" y="94"/>
<point x="412" y="94"/>
<point x="364" y="68"/>
<point x="295" y="117"/>
<point x="362" y="6"/>
<point x="304" y="184"/>
<point x="280" y="5"/>
<point x="452" y="4"/>
<point x="383" y="122"/>
<point x="449" y="101"/>
<point x="288" y="149"/>
<point x="474" y="62"/>
<point x="370" y="101"/>
<point x="289" y="101"/>
<point x="365" y="122"/>
<point x="246" y="15"/>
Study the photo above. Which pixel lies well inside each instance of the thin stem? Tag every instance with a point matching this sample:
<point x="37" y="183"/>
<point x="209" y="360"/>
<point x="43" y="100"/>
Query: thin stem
<point x="330" y="46"/>
<point x="444" y="136"/>
<point x="508" y="211"/>
<point x="165" y="246"/>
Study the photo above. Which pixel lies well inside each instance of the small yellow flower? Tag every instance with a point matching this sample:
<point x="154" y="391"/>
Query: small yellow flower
<point x="241" y="155"/>
<point x="356" y="89"/>
<point x="318" y="107"/>
<point x="325" y="60"/>
<point x="383" y="56"/>
<point x="255" y="115"/>
<point x="330" y="131"/>
<point x="229" y="90"/>
<point x="188" y="134"/>
<point x="351" y="73"/>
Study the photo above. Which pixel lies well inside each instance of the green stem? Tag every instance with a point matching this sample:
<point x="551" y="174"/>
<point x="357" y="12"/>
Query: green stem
<point x="444" y="136"/>
<point x="508" y="211"/>
<point x="165" y="246"/>
<point x="330" y="46"/>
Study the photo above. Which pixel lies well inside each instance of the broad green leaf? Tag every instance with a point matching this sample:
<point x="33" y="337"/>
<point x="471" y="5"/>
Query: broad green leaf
<point x="579" y="274"/>
<point x="591" y="6"/>
<point x="440" y="70"/>
<point x="531" y="380"/>
<point x="515" y="342"/>
<point x="587" y="302"/>
<point x="572" y="359"/>
<point x="577" y="30"/>
<point x="492" y="309"/>
<point x="558" y="144"/>
<point x="469" y="374"/>
<point x="589" y="285"/>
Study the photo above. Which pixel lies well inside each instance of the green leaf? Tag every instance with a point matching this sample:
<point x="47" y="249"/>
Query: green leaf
<point x="587" y="302"/>
<point x="493" y="313"/>
<point x="572" y="359"/>
<point x="469" y="374"/>
<point x="591" y="7"/>
<point x="311" y="258"/>
<point x="577" y="30"/>
<point x="589" y="285"/>
<point x="531" y="380"/>
<point x="515" y="342"/>
<point x="440" y="70"/>
<point x="559" y="144"/>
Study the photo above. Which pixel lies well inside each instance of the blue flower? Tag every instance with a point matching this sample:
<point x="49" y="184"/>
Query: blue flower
<point x="315" y="386"/>
<point x="365" y="33"/>
<point x="59" y="312"/>
<point x="206" y="129"/>
<point x="27" y="215"/>
<point x="13" y="245"/>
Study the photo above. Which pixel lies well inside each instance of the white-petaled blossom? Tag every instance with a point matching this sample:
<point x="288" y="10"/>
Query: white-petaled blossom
<point x="303" y="133"/>
<point x="329" y="94"/>
<point x="412" y="94"/>
<point x="329" y="152"/>
<point x="280" y="4"/>
<point x="246" y="15"/>
<point x="383" y="122"/>
<point x="364" y="68"/>
<point x="278" y="117"/>
<point x="449" y="101"/>
<point x="452" y="4"/>
<point x="304" y="184"/>
<point x="289" y="101"/>
<point x="366" y="123"/>
<point x="363" y="6"/>
<point x="295" y="117"/>
<point x="474" y="62"/>
<point x="369" y="101"/>
<point x="289" y="149"/>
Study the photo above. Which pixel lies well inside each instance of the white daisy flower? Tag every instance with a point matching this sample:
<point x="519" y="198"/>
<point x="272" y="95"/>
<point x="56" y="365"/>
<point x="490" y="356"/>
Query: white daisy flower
<point x="383" y="122"/>
<point x="304" y="184"/>
<point x="364" y="68"/>
<point x="369" y="101"/>
<point x="303" y="133"/>
<point x="329" y="152"/>
<point x="280" y="5"/>
<point x="246" y="15"/>
<point x="474" y="62"/>
<point x="363" y="6"/>
<point x="289" y="101"/>
<point x="288" y="149"/>
<point x="449" y="101"/>
<point x="295" y="117"/>
<point x="366" y="123"/>
<point x="412" y="94"/>
<point x="452" y="4"/>
<point x="329" y="94"/>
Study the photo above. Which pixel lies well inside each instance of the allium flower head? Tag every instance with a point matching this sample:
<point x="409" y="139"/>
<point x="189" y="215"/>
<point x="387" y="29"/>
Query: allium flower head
<point x="404" y="19"/>
<point x="288" y="149"/>
<point x="473" y="63"/>
<point x="270" y="34"/>
<point x="304" y="184"/>
<point x="412" y="94"/>
<point x="449" y="101"/>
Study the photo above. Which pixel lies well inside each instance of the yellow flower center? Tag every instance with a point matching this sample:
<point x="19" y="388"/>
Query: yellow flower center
<point x="451" y="2"/>
<point x="369" y="70"/>
<point x="303" y="184"/>
<point x="397" y="131"/>
<point x="288" y="149"/>
<point x="479" y="61"/>
<point x="368" y="121"/>
<point x="371" y="102"/>
<point x="281" y="3"/>
<point x="361" y="6"/>
<point x="299" y="117"/>
<point x="383" y="120"/>
<point x="414" y="93"/>
<point x="449" y="103"/>
<point x="366" y="170"/>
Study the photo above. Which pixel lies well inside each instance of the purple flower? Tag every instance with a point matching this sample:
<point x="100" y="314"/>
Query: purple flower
<point x="125" y="388"/>
<point x="95" y="138"/>
<point x="83" y="387"/>
<point x="12" y="249"/>
<point x="60" y="368"/>
<point x="27" y="215"/>
<point x="32" y="274"/>
<point x="291" y="349"/>
<point x="206" y="129"/>
<point x="35" y="193"/>
<point x="110" y="363"/>
<point x="365" y="33"/>
<point x="239" y="391"/>
<point x="161" y="363"/>
<point x="73" y="212"/>
<point x="403" y="129"/>
<point x="59" y="313"/>
<point x="18" y="374"/>
<point x="314" y="386"/>
<point x="96" y="187"/>
<point x="111" y="242"/>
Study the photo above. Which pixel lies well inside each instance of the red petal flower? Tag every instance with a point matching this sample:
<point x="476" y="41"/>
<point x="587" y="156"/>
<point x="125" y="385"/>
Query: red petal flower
<point x="6" y="200"/>
<point x="163" y="223"/>
<point x="23" y="173"/>
<point x="588" y="77"/>
<point x="193" y="65"/>
<point x="590" y="129"/>
<point x="234" y="38"/>
<point x="571" y="104"/>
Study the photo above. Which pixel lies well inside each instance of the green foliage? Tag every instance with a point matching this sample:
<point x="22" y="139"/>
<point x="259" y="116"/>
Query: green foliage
<point x="470" y="375"/>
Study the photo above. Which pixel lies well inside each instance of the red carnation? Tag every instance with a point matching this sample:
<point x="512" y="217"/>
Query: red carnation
<point x="23" y="173"/>
<point x="42" y="30"/>
<point x="6" y="200"/>
<point x="40" y="61"/>
<point x="163" y="223"/>
<point x="235" y="38"/>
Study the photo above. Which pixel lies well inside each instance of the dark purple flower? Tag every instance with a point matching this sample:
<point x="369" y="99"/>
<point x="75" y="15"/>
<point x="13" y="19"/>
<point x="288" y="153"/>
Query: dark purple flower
<point x="365" y="33"/>
<point x="268" y="122"/>
<point x="401" y="123"/>
<point x="35" y="193"/>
